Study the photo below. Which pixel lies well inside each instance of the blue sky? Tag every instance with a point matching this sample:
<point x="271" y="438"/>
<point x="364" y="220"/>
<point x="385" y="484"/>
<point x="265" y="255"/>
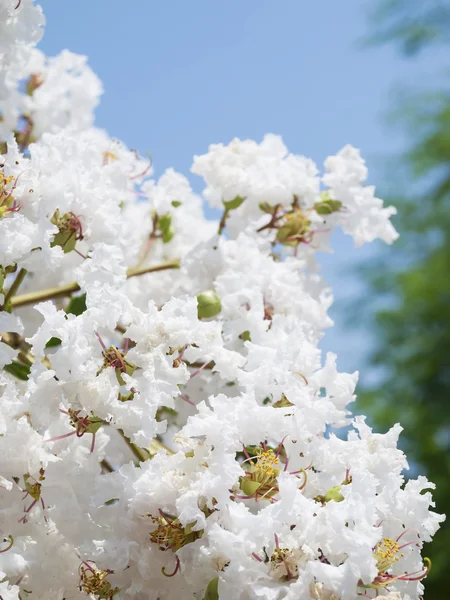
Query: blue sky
<point x="180" y="75"/>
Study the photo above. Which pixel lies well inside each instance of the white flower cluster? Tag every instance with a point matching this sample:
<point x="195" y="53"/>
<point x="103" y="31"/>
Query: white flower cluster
<point x="168" y="428"/>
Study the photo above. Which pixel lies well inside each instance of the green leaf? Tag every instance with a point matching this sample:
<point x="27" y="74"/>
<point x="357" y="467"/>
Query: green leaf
<point x="164" y="222"/>
<point x="212" y="591"/>
<point x="246" y="336"/>
<point x="94" y="424"/>
<point x="165" y="227"/>
<point x="266" y="207"/>
<point x="176" y="203"/>
<point x="18" y="369"/>
<point x="168" y="236"/>
<point x="53" y="342"/>
<point x="235" y="203"/>
<point x="77" y="305"/>
<point x="112" y="501"/>
<point x="66" y="239"/>
<point x="209" y="305"/>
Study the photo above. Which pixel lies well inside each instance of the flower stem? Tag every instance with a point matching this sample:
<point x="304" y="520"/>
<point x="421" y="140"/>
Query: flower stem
<point x="139" y="453"/>
<point x="14" y="287"/>
<point x="70" y="288"/>
<point x="106" y="466"/>
<point x="156" y="446"/>
<point x="223" y="221"/>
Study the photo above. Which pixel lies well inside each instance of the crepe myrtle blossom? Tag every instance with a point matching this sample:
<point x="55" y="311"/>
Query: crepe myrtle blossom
<point x="168" y="423"/>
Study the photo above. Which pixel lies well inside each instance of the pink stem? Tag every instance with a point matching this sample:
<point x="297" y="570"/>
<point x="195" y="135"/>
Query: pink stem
<point x="177" y="567"/>
<point x="186" y="399"/>
<point x="60" y="437"/>
<point x="27" y="510"/>
<point x="280" y="445"/>
<point x="199" y="370"/>
<point x="100" y="340"/>
<point x="147" y="169"/>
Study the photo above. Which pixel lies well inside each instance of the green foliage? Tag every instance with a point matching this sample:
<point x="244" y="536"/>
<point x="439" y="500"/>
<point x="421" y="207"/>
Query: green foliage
<point x="77" y="305"/>
<point x="165" y="227"/>
<point x="413" y="327"/>
<point x="413" y="24"/>
<point x="18" y="369"/>
<point x="233" y="204"/>
<point x="53" y="342"/>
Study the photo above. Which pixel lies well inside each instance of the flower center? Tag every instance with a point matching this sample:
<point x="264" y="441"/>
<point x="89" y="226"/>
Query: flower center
<point x="171" y="535"/>
<point x="7" y="201"/>
<point x="93" y="581"/>
<point x="261" y="474"/>
<point x="386" y="554"/>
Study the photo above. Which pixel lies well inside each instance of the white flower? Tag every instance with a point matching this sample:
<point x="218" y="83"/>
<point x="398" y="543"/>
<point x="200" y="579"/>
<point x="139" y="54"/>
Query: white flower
<point x="167" y="419"/>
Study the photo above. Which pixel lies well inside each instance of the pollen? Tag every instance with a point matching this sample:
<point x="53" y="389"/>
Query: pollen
<point x="266" y="466"/>
<point x="262" y="470"/>
<point x="7" y="202"/>
<point x="386" y="554"/>
<point x="109" y="156"/>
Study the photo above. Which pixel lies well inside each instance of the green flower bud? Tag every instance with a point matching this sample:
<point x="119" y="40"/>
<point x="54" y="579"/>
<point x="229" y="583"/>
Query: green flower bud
<point x="294" y="230"/>
<point x="209" y="304"/>
<point x="327" y="205"/>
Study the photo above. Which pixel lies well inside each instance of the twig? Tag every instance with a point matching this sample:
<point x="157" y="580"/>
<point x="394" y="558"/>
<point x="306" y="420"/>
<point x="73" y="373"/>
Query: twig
<point x="14" y="287"/>
<point x="70" y="288"/>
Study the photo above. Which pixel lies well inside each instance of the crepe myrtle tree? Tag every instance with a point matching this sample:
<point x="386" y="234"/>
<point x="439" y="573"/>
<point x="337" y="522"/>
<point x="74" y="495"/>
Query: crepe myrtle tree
<point x="166" y="416"/>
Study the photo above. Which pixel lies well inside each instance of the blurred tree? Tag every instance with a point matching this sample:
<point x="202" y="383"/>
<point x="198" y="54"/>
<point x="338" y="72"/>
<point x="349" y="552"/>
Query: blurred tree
<point x="411" y="23"/>
<point x="412" y="327"/>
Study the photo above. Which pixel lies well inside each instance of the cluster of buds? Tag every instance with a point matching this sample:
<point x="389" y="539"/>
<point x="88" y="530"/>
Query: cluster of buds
<point x="293" y="226"/>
